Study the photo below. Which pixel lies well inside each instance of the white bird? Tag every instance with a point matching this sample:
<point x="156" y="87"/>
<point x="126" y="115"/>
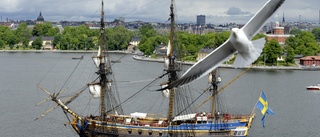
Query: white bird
<point x="239" y="41"/>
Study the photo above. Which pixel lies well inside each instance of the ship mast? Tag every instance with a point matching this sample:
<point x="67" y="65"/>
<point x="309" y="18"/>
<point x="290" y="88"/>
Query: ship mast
<point x="214" y="88"/>
<point x="171" y="68"/>
<point x="102" y="67"/>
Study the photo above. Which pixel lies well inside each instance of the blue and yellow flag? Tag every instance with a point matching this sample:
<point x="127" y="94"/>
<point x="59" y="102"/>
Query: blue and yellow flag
<point x="263" y="106"/>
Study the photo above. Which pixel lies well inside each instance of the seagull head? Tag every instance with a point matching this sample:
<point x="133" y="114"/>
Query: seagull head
<point x="235" y="30"/>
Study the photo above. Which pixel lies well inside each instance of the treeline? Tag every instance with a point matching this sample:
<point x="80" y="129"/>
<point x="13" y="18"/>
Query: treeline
<point x="72" y="38"/>
<point x="186" y="45"/>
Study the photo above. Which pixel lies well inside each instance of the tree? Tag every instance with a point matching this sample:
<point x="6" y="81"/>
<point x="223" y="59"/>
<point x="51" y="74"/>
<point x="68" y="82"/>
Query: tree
<point x="11" y="39"/>
<point x="258" y="36"/>
<point x="308" y="40"/>
<point x="118" y="38"/>
<point x="37" y="43"/>
<point x="37" y="30"/>
<point x="2" y="44"/>
<point x="303" y="43"/>
<point x="295" y="31"/>
<point x="150" y="39"/>
<point x="316" y="33"/>
<point x="44" y="29"/>
<point x="293" y="42"/>
<point x="290" y="55"/>
<point x="221" y="37"/>
<point x="272" y="51"/>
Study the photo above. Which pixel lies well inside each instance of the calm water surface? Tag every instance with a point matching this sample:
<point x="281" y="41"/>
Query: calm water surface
<point x="297" y="110"/>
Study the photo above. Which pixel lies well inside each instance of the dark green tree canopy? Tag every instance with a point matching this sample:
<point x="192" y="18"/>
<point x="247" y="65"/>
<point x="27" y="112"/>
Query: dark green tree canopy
<point x="37" y="43"/>
<point x="316" y="33"/>
<point x="272" y="51"/>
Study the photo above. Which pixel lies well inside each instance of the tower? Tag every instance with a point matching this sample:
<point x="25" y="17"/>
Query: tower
<point x="201" y="20"/>
<point x="283" y="20"/>
<point x="40" y="19"/>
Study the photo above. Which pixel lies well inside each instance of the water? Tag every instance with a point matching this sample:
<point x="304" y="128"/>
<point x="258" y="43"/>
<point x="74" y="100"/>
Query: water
<point x="297" y="110"/>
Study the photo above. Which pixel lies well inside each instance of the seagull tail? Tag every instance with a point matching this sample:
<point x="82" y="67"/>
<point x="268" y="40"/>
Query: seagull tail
<point x="246" y="59"/>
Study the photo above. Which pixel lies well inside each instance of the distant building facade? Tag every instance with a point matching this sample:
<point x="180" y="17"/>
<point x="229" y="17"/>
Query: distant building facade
<point x="46" y="42"/>
<point x="135" y="41"/>
<point x="133" y="44"/>
<point x="201" y="20"/>
<point x="204" y="52"/>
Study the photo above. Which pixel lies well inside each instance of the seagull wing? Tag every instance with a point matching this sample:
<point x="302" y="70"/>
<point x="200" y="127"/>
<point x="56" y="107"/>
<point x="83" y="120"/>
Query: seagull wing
<point x="206" y="65"/>
<point x="258" y="20"/>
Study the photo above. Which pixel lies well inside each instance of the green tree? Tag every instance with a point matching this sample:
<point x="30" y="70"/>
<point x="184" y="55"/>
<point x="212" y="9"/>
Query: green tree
<point x="290" y="55"/>
<point x="295" y="31"/>
<point x="221" y="37"/>
<point x="258" y="36"/>
<point x="272" y="51"/>
<point x="63" y="44"/>
<point x="293" y="42"/>
<point x="148" y="42"/>
<point x="118" y="38"/>
<point x="37" y="30"/>
<point x="11" y="39"/>
<point x="2" y="44"/>
<point x="24" y="34"/>
<point x="308" y="40"/>
<point x="44" y="29"/>
<point x="316" y="33"/>
<point x="37" y="43"/>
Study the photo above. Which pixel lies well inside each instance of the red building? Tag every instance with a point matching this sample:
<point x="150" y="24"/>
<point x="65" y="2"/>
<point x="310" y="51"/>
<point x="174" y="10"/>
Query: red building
<point x="278" y="34"/>
<point x="310" y="61"/>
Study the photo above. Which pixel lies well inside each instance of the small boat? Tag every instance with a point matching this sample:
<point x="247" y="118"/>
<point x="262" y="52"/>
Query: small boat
<point x="313" y="87"/>
<point x="81" y="57"/>
<point x="115" y="61"/>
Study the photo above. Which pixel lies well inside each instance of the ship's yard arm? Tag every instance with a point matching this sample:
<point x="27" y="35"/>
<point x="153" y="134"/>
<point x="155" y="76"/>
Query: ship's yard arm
<point x="61" y="104"/>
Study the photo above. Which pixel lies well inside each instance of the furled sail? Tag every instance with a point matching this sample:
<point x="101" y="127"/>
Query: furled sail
<point x="95" y="90"/>
<point x="99" y="58"/>
<point x="166" y="59"/>
<point x="166" y="92"/>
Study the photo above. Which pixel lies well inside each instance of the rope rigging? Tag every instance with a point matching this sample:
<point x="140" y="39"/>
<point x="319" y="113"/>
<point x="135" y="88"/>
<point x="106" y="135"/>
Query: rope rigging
<point x="137" y="92"/>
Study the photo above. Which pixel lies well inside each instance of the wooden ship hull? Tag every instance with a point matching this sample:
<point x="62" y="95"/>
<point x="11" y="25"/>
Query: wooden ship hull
<point x="199" y="125"/>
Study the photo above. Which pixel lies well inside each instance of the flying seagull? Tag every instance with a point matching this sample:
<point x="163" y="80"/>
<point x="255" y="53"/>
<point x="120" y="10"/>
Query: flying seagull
<point x="239" y="42"/>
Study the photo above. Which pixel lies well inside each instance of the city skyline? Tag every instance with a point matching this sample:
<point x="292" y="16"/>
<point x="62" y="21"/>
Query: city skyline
<point x="216" y="11"/>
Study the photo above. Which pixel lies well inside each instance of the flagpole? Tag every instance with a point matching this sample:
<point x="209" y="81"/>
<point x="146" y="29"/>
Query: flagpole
<point x="256" y="103"/>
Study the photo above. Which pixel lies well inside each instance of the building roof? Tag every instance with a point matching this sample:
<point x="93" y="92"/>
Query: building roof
<point x="40" y="18"/>
<point x="310" y="58"/>
<point x="43" y="38"/>
<point x="135" y="39"/>
<point x="206" y="50"/>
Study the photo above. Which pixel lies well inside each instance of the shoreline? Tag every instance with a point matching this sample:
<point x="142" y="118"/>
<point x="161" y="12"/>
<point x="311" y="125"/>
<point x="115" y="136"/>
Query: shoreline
<point x="160" y="60"/>
<point x="66" y="51"/>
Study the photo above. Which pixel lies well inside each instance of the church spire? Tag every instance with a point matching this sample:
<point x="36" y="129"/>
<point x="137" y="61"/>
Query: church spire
<point x="283" y="20"/>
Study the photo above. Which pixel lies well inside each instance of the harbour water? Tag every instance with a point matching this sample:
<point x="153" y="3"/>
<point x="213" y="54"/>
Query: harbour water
<point x="297" y="109"/>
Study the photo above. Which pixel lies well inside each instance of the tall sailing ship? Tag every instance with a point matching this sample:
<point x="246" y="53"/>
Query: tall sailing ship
<point x="181" y="118"/>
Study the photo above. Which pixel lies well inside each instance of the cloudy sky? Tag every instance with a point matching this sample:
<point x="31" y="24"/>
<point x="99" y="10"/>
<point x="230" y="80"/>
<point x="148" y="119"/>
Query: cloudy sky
<point x="216" y="11"/>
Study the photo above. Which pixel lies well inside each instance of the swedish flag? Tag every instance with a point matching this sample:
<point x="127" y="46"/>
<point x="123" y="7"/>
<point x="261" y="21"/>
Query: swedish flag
<point x="263" y="106"/>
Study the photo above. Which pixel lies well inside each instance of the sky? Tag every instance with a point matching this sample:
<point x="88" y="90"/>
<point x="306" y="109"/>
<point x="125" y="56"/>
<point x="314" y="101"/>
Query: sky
<point x="216" y="11"/>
